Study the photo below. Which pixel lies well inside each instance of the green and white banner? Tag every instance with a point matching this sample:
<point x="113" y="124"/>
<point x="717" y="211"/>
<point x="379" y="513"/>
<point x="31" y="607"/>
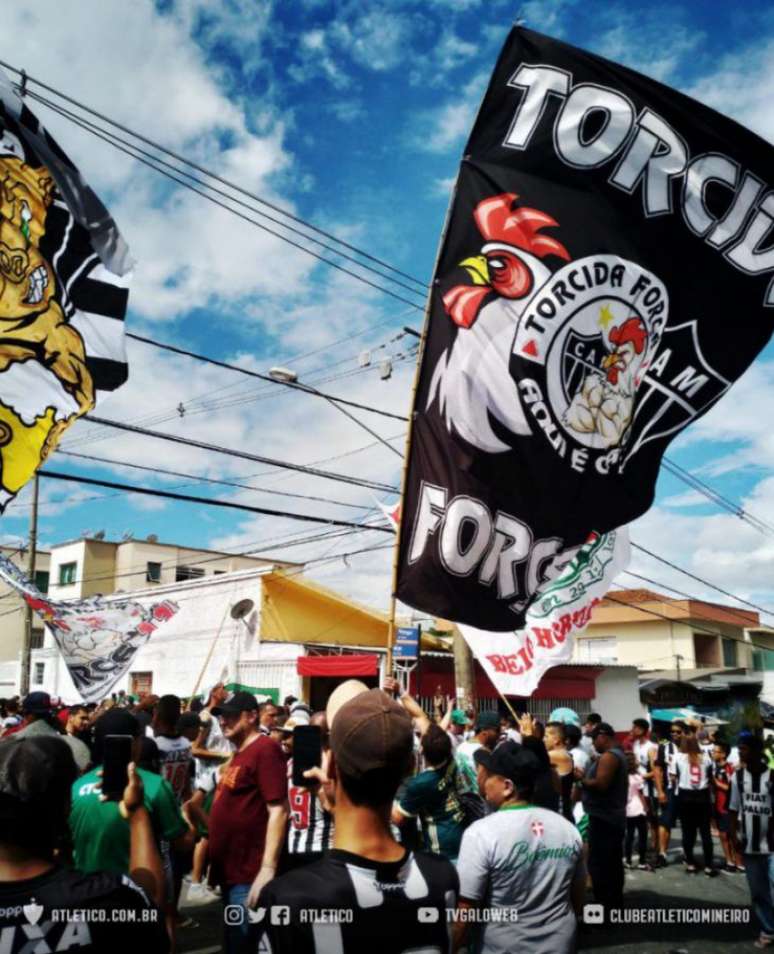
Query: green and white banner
<point x="515" y="664"/>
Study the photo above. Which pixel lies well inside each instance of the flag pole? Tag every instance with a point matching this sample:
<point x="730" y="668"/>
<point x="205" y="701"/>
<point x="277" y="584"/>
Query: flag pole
<point x="410" y="435"/>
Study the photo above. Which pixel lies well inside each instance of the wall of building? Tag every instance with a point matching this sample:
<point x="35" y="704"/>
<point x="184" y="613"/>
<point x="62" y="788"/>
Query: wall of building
<point x="646" y="644"/>
<point x="133" y="557"/>
<point x="617" y="697"/>
<point x="654" y="644"/>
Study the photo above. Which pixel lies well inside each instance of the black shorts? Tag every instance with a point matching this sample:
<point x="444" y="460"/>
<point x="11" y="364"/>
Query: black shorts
<point x="668" y="816"/>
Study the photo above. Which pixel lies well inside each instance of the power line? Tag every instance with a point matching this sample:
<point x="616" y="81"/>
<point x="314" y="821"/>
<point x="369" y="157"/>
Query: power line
<point x="29" y="79"/>
<point x="171" y="495"/>
<point x="112" y="139"/>
<point x="698" y="579"/>
<point x="192" y="478"/>
<point x="164" y="346"/>
<point x="202" y="445"/>
<point x="716" y="497"/>
<point x="137" y="154"/>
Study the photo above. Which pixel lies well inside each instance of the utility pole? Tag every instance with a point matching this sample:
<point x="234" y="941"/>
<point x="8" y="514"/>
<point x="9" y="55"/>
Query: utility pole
<point x="464" y="672"/>
<point x="24" y="680"/>
<point x="678" y="658"/>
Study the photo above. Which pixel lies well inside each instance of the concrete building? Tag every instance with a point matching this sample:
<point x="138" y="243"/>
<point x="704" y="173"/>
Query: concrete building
<point x="653" y="632"/>
<point x="688" y="652"/>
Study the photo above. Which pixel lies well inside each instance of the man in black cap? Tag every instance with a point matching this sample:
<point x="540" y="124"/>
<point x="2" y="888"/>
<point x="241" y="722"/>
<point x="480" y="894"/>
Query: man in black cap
<point x="248" y="817"/>
<point x="46" y="907"/>
<point x="523" y="860"/>
<point x="605" y="789"/>
<point x="37" y="720"/>
<point x="369" y="893"/>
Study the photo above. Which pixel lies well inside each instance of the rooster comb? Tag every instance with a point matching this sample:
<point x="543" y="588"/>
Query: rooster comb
<point x="498" y="221"/>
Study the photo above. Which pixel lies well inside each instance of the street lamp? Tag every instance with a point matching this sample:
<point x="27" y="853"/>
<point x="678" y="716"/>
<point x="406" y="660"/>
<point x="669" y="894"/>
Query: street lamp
<point x="283" y="375"/>
<point x="290" y="377"/>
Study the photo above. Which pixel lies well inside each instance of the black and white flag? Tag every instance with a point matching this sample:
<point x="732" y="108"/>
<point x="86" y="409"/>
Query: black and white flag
<point x="607" y="273"/>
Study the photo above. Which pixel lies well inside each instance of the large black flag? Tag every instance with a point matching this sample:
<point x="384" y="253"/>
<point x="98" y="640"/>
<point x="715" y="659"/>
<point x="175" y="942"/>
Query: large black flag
<point x="605" y="276"/>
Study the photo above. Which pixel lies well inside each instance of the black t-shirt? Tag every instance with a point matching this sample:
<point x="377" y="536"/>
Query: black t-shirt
<point x="81" y="913"/>
<point x="372" y="907"/>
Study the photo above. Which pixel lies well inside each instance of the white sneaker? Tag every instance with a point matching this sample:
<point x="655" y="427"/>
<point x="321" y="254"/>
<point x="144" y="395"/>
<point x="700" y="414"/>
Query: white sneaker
<point x="198" y="893"/>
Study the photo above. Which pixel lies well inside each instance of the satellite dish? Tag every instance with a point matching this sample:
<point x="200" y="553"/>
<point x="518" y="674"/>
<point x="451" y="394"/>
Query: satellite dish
<point x="242" y="609"/>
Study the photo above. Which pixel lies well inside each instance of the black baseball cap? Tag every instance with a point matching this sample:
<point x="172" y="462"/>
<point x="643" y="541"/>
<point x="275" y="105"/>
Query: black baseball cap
<point x="189" y="720"/>
<point x="236" y="703"/>
<point x="488" y="720"/>
<point x="603" y="728"/>
<point x="510" y="760"/>
<point x="37" y="703"/>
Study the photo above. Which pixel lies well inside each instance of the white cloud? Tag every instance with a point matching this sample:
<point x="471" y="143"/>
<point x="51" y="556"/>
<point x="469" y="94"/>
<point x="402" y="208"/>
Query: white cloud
<point x="661" y="49"/>
<point x="740" y="86"/>
<point x="346" y="110"/>
<point x="443" y="187"/>
<point x="446" y="126"/>
<point x="378" y="40"/>
<point x="143" y="68"/>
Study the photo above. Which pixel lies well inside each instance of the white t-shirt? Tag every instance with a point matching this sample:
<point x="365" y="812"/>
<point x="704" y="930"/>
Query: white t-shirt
<point x="580" y="759"/>
<point x="526" y="859"/>
<point x="733" y="756"/>
<point x="176" y="763"/>
<point x="693" y="776"/>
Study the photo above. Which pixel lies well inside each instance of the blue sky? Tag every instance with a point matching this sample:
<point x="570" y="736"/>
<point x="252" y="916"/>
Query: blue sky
<point x="353" y="115"/>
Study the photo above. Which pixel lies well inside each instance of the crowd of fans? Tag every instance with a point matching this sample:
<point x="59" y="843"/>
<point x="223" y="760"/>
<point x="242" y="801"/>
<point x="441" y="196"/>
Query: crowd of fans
<point x="452" y="832"/>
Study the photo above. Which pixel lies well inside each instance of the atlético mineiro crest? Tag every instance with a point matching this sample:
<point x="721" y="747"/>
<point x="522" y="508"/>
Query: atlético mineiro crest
<point x="599" y="371"/>
<point x="537" y="828"/>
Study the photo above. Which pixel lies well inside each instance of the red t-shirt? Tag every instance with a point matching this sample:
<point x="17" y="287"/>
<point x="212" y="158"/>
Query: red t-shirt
<point x="239" y="816"/>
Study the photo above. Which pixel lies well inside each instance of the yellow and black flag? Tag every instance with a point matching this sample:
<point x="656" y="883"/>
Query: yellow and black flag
<point x="63" y="295"/>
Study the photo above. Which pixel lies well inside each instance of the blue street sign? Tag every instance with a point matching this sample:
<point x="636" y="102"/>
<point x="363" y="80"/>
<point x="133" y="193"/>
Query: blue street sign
<point x="407" y="642"/>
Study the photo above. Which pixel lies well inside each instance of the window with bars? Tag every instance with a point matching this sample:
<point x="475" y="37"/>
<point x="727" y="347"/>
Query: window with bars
<point x="183" y="573"/>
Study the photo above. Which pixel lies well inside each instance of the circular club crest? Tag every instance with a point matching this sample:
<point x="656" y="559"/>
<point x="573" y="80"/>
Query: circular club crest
<point x="583" y="346"/>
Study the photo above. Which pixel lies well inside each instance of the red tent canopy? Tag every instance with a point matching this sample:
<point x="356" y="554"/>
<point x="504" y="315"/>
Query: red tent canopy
<point x="365" y="664"/>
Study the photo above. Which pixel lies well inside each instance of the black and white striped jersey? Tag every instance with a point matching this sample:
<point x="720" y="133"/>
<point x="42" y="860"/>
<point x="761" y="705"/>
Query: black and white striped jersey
<point x="311" y="827"/>
<point x="346" y="904"/>
<point x="752" y="797"/>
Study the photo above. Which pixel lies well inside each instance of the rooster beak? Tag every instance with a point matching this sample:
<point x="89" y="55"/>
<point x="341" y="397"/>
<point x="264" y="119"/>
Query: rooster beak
<point x="609" y="360"/>
<point x="477" y="268"/>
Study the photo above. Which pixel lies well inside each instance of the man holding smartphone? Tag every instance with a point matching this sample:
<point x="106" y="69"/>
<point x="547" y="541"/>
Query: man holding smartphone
<point x="369" y="893"/>
<point x="249" y="815"/>
<point x="100" y="832"/>
<point x="310" y="831"/>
